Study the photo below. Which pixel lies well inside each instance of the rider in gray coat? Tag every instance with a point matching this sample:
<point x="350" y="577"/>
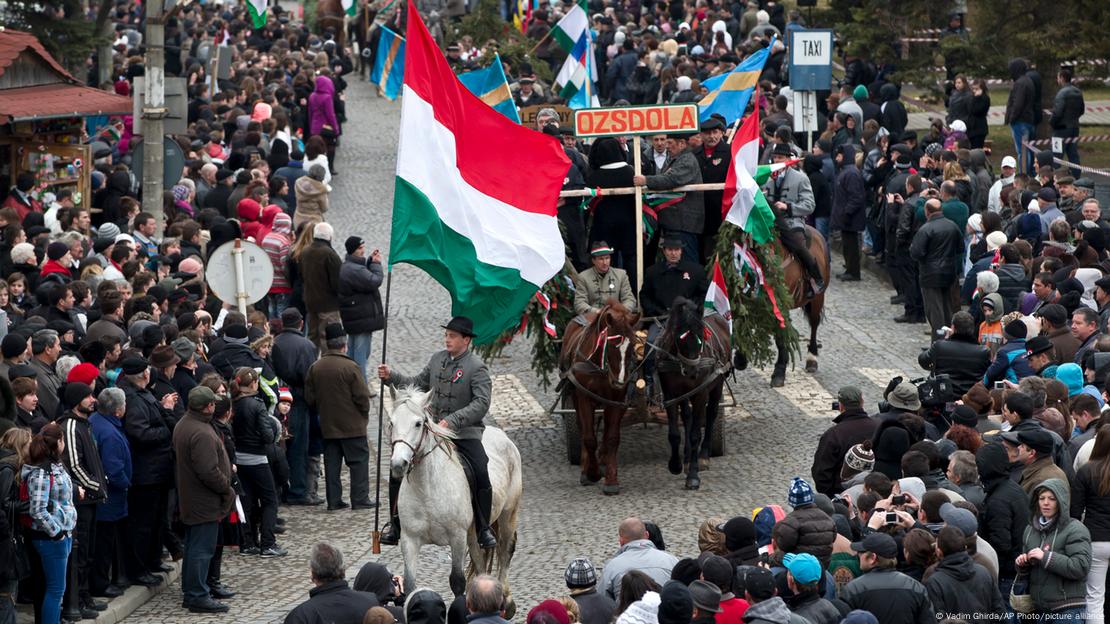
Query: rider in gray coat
<point x="461" y="388"/>
<point x="791" y="197"/>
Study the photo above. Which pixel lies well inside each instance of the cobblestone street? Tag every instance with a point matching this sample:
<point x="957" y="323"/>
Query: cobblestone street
<point x="770" y="434"/>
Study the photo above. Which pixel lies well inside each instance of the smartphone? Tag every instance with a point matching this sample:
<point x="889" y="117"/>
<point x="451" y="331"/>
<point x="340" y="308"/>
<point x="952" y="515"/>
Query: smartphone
<point x="836" y="406"/>
<point x="899" y="499"/>
<point x="891" y="517"/>
<point x="1000" y="385"/>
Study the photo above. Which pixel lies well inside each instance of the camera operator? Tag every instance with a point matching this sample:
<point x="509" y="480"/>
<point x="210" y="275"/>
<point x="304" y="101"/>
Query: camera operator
<point x="902" y="397"/>
<point x="958" y="354"/>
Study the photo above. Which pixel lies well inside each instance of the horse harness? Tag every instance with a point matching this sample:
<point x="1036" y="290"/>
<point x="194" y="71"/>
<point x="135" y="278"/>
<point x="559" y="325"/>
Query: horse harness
<point x="708" y="368"/>
<point x="585" y="365"/>
<point x="417" y="456"/>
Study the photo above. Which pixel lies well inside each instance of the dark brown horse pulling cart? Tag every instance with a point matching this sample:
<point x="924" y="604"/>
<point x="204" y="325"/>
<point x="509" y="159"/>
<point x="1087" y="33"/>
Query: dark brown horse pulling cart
<point x="601" y="362"/>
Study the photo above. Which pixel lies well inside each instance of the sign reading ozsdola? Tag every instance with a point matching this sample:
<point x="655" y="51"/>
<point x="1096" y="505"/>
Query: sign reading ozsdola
<point x="596" y="122"/>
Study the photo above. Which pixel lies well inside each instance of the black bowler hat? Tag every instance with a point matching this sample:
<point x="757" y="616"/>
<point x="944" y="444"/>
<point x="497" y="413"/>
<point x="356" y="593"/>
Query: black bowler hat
<point x="671" y="242"/>
<point x="462" y="325"/>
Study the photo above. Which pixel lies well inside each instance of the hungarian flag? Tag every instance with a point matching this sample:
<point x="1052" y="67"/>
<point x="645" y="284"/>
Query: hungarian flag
<point x="716" y="296"/>
<point x="460" y="211"/>
<point x="743" y="204"/>
<point x="257" y="10"/>
<point x="349" y="7"/>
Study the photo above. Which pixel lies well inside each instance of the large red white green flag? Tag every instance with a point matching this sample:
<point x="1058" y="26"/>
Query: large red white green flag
<point x="475" y="194"/>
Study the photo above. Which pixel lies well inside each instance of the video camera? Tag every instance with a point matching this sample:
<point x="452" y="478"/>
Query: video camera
<point x="934" y="391"/>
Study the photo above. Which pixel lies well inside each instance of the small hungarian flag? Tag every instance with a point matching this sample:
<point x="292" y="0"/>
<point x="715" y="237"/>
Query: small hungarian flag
<point x="716" y="296"/>
<point x="349" y="7"/>
<point x="742" y="203"/>
<point x="258" y="9"/>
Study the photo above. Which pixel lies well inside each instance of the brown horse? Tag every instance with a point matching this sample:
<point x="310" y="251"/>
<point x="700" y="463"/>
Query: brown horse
<point x="596" y="359"/>
<point x="331" y="16"/>
<point x="804" y="297"/>
<point x="693" y="361"/>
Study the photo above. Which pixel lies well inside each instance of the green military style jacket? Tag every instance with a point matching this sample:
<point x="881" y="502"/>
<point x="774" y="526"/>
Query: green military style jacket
<point x="593" y="289"/>
<point x="461" y="389"/>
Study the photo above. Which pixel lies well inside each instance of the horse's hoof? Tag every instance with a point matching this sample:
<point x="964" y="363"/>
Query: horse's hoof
<point x="703" y="463"/>
<point x="811" y="364"/>
<point x="610" y="489"/>
<point x="693" y="483"/>
<point x="585" y="480"/>
<point x="778" y="381"/>
<point x="674" y="466"/>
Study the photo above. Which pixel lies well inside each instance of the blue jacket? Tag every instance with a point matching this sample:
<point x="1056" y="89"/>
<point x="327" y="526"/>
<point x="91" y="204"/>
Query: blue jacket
<point x="115" y="455"/>
<point x="1009" y="363"/>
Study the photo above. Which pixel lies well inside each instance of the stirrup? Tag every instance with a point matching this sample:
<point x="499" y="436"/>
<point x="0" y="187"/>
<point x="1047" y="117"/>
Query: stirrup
<point x="486" y="539"/>
<point x="391" y="533"/>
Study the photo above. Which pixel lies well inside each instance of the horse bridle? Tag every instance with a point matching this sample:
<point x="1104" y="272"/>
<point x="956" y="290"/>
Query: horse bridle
<point x="417" y="456"/>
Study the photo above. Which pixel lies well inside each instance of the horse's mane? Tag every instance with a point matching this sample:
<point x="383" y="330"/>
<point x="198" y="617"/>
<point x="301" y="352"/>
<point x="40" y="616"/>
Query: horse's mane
<point x="420" y="398"/>
<point x="684" y="313"/>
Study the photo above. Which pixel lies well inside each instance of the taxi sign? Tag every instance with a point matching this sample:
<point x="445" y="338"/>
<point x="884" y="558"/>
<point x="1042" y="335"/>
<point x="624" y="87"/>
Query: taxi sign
<point x="632" y="120"/>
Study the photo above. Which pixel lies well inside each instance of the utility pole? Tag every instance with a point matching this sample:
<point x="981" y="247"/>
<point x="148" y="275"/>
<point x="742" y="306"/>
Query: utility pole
<point x="154" y="110"/>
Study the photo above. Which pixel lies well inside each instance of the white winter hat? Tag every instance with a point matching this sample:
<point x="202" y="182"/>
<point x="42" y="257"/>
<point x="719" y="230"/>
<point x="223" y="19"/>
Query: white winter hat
<point x="643" y="611"/>
<point x="958" y="126"/>
<point x="683" y="83"/>
<point x="619" y="37"/>
<point x="996" y="240"/>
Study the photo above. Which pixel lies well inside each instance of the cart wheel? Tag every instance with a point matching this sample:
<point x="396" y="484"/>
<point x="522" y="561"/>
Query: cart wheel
<point x="717" y="441"/>
<point x="571" y="434"/>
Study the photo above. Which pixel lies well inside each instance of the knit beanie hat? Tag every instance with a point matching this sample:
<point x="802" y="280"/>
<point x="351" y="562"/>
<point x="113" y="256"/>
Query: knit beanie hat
<point x="643" y="611"/>
<point x="859" y="458"/>
<point x="800" y="493"/>
<point x="13" y="345"/>
<point x="84" y="372"/>
<point x="56" y="250"/>
<point x="1016" y="330"/>
<point x="859" y="93"/>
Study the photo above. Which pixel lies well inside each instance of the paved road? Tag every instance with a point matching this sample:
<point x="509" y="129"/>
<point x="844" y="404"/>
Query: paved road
<point x="770" y="434"/>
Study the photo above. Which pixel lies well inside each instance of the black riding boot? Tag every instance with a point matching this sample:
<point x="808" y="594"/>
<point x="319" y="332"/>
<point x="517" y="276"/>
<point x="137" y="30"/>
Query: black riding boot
<point x="483" y="503"/>
<point x="810" y="264"/>
<point x="391" y="532"/>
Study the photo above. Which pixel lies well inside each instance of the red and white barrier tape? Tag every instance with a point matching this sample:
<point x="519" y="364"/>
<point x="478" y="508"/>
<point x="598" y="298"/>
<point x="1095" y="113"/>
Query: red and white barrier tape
<point x="1070" y="165"/>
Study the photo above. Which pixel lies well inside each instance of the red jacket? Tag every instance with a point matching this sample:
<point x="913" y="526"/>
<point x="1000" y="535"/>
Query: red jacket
<point x="21" y="208"/>
<point x="53" y="266"/>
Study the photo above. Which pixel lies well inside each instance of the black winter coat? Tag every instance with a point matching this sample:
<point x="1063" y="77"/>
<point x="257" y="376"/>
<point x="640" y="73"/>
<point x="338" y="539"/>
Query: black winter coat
<point x="807" y="529"/>
<point x="253" y="428"/>
<point x="150" y="434"/>
<point x="850" y="428"/>
<point x="293" y="354"/>
<point x="958" y="585"/>
<point x="963" y="360"/>
<point x="892" y="597"/>
<point x="664" y="282"/>
<point x="232" y="356"/>
<point x="332" y="602"/>
<point x="977" y="121"/>
<point x="1006" y="514"/>
<point x="1086" y="503"/>
<point x="938" y="249"/>
<point x="849" y="212"/>
<point x="1012" y="282"/>
<point x="1022" y="100"/>
<point x="360" y="303"/>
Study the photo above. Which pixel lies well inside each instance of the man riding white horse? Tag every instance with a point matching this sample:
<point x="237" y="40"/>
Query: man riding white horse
<point x="461" y="387"/>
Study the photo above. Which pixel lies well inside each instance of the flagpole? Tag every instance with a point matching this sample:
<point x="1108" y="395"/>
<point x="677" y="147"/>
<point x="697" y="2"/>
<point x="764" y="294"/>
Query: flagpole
<point x="639" y="215"/>
<point x="376" y="536"/>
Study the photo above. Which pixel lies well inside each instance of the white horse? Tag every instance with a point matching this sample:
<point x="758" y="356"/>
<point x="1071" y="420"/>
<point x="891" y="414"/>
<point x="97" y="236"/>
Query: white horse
<point x="434" y="501"/>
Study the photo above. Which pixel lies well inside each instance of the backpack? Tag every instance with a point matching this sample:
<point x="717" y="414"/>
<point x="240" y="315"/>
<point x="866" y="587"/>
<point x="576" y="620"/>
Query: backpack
<point x="25" y="519"/>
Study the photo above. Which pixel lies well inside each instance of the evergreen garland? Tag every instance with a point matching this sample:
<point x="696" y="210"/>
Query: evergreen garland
<point x="754" y="325"/>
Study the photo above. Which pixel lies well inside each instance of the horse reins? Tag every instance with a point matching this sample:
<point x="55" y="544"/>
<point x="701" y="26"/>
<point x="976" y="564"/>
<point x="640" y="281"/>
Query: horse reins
<point x="417" y="456"/>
